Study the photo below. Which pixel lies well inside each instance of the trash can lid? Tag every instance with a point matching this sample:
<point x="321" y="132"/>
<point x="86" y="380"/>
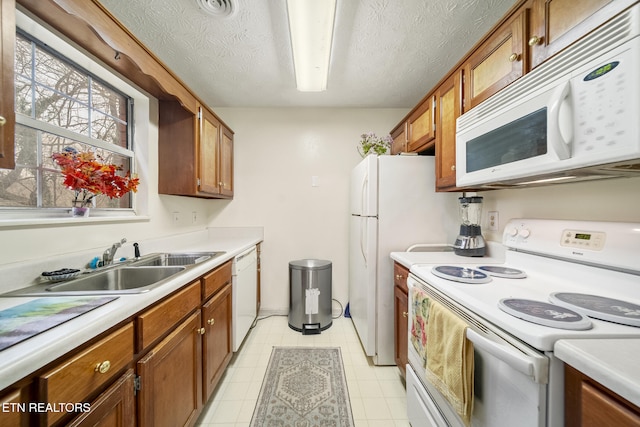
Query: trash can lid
<point x="312" y="264"/>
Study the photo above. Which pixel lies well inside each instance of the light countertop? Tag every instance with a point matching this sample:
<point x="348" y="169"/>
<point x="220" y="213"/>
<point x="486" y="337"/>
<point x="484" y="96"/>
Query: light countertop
<point x="23" y="358"/>
<point x="611" y="362"/>
<point x="437" y="254"/>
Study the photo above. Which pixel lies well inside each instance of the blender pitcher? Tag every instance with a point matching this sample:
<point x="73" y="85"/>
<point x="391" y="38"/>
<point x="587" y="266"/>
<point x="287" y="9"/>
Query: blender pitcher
<point x="470" y="241"/>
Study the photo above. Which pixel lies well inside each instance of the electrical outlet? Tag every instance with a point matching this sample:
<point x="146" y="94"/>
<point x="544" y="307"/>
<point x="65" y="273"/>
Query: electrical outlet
<point x="194" y="217"/>
<point x="494" y="221"/>
<point x="176" y="218"/>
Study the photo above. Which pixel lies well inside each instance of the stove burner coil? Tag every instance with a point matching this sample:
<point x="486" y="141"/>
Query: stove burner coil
<point x="599" y="307"/>
<point x="544" y="313"/>
<point x="460" y="274"/>
<point x="500" y="271"/>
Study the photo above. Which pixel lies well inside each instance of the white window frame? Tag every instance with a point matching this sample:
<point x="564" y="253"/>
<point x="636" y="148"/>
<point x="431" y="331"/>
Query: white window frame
<point x="11" y="217"/>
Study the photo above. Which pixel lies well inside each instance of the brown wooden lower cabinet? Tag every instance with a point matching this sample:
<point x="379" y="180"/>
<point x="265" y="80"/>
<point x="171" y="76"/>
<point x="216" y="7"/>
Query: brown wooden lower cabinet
<point x="83" y="375"/>
<point x="116" y="407"/>
<point x="171" y="378"/>
<point x="402" y="323"/>
<point x="401" y="310"/>
<point x="216" y="344"/>
<point x="182" y="347"/>
<point x="590" y="404"/>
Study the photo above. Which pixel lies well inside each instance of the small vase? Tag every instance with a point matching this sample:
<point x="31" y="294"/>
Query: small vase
<point x="81" y="211"/>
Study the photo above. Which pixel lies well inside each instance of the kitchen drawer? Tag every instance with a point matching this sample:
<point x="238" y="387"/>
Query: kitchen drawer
<point x="75" y="379"/>
<point x="215" y="280"/>
<point x="10" y="415"/>
<point x="400" y="275"/>
<point x="156" y="321"/>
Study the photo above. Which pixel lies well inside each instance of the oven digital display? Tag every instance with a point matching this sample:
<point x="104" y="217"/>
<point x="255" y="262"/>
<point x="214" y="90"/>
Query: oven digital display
<point x="583" y="239"/>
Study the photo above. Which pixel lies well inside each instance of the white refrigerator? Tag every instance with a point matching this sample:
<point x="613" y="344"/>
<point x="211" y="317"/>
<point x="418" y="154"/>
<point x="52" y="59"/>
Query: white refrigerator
<point x="393" y="206"/>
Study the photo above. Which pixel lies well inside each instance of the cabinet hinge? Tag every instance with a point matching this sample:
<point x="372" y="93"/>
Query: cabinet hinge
<point x="199" y="113"/>
<point x="198" y="182"/>
<point x="136" y="385"/>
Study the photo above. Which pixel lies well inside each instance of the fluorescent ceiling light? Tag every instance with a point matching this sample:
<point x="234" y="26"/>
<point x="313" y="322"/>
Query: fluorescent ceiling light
<point x="311" y="30"/>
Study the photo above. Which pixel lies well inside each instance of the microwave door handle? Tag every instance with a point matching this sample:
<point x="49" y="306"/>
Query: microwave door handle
<point x="559" y="142"/>
<point x="528" y="365"/>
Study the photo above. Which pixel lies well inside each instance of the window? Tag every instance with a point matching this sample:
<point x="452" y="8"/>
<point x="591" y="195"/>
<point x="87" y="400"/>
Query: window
<point x="60" y="104"/>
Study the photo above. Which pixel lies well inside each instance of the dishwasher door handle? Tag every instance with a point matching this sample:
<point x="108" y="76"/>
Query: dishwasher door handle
<point x="245" y="254"/>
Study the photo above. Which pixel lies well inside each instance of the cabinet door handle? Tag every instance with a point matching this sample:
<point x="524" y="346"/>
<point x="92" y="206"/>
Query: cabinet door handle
<point x="3" y="121"/>
<point x="513" y="57"/>
<point x="211" y="321"/>
<point x="103" y="367"/>
<point x="405" y="314"/>
<point x="201" y="331"/>
<point x="399" y="276"/>
<point x="453" y="167"/>
<point x="534" y="40"/>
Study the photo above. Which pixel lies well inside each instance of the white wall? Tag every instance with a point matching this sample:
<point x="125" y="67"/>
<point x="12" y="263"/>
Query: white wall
<point x="604" y="200"/>
<point x="277" y="151"/>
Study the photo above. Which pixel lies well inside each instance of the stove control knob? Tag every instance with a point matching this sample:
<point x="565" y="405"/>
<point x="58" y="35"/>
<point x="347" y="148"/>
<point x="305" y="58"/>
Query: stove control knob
<point x="524" y="233"/>
<point x="513" y="232"/>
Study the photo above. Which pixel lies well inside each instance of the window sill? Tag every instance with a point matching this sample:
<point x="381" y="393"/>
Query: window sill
<point x="68" y="221"/>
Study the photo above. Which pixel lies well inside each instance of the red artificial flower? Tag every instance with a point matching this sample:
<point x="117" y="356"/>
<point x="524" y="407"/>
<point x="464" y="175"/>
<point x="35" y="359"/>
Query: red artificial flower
<point x="87" y="174"/>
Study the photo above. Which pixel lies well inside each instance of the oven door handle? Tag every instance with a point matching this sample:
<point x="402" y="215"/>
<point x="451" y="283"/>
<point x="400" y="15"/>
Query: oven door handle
<point x="533" y="366"/>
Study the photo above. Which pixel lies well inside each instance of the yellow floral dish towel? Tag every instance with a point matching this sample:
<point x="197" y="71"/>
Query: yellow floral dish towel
<point x="420" y="315"/>
<point x="450" y="359"/>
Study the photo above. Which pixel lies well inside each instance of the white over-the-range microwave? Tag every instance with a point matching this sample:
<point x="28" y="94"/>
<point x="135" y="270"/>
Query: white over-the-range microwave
<point x="576" y="117"/>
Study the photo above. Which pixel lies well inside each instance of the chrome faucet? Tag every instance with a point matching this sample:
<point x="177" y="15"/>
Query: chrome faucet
<point x="107" y="256"/>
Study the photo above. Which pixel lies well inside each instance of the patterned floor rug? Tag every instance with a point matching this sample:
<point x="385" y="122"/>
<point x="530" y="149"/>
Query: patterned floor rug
<point x="303" y="387"/>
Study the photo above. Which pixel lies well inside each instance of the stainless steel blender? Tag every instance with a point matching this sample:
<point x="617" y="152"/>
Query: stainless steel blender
<point x="470" y="241"/>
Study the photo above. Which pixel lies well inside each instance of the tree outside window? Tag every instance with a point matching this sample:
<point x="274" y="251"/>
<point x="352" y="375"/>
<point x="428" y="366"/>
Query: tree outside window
<point x="59" y="105"/>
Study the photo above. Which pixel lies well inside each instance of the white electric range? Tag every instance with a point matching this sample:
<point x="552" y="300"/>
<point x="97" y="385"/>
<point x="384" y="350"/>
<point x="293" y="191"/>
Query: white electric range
<point x="549" y="266"/>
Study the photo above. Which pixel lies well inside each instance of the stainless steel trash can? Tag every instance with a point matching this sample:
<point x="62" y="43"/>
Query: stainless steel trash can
<point x="310" y="295"/>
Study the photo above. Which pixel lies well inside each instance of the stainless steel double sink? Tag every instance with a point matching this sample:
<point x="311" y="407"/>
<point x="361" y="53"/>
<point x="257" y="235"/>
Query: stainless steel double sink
<point x="131" y="277"/>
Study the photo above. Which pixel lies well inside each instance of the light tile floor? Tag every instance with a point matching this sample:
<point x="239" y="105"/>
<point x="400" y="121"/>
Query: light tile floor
<point x="377" y="393"/>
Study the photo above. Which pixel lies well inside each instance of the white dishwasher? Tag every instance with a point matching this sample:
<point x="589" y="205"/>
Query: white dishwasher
<point x="244" y="294"/>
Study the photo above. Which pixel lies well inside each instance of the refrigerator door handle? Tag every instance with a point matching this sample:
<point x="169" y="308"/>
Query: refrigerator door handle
<point x="363" y="225"/>
<point x="363" y="199"/>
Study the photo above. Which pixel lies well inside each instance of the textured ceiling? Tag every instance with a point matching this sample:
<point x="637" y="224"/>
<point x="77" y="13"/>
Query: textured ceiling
<point x="386" y="53"/>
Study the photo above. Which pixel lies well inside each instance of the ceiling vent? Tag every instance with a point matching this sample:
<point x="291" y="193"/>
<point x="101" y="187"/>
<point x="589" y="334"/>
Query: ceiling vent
<point x="220" y="8"/>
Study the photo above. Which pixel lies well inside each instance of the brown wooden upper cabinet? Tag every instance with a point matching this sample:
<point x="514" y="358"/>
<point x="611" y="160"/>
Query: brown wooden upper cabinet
<point x="499" y="61"/>
<point x="530" y="33"/>
<point x="399" y="136"/>
<point x="209" y="151"/>
<point x="421" y="126"/>
<point x="556" y="24"/>
<point x="7" y="111"/>
<point x="226" y="162"/>
<point x="195" y="153"/>
<point x="448" y="109"/>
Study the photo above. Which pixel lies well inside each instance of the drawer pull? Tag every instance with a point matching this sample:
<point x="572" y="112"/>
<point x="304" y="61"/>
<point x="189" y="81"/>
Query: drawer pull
<point x="534" y="40"/>
<point x="513" y="57"/>
<point x="3" y="121"/>
<point x="103" y="367"/>
<point x="399" y="276"/>
<point x="201" y="331"/>
<point x="211" y="321"/>
<point x="405" y="314"/>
